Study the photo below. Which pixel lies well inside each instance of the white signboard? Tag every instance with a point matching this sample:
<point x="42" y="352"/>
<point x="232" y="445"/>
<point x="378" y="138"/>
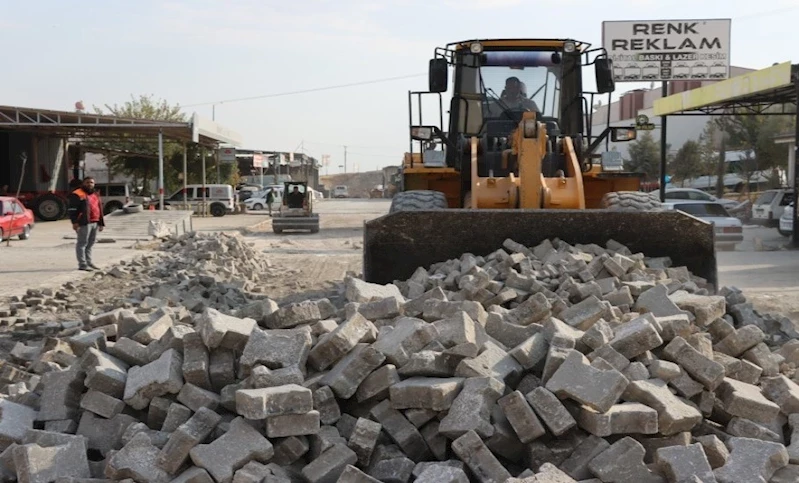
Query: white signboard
<point x="258" y="160"/>
<point x="664" y="50"/>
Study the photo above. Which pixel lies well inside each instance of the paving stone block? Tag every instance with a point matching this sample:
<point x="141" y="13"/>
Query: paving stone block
<point x="276" y="349"/>
<point x="783" y="391"/>
<point x="705" y="370"/>
<point x="576" y="465"/>
<point x="471" y="409"/>
<point x="188" y="435"/>
<point x="714" y="449"/>
<point x="551" y="410"/>
<point x="196" y="361"/>
<point x="289" y="450"/>
<point x="225" y="331"/>
<point x="740" y="340"/>
<point x="751" y="460"/>
<point x="262" y="377"/>
<point x="576" y="379"/>
<point x="43" y="460"/>
<point x="273" y="401"/>
<point x="222" y="369"/>
<point x="137" y="462"/>
<point x="160" y="377"/>
<point x="176" y="415"/>
<point x="237" y="447"/>
<point x="624" y="418"/>
<point x="664" y="370"/>
<point x="333" y="346"/>
<point x="352" y="474"/>
<point x="60" y="394"/>
<point x="348" y="373"/>
<point x="409" y="335"/>
<point x="293" y="315"/>
<point x="101" y="404"/>
<point x="674" y="415"/>
<point x="637" y="336"/>
<point x="376" y="384"/>
<point x="364" y="439"/>
<point x="492" y="362"/>
<point x="15" y="421"/>
<point x="401" y="431"/>
<point x="104" y="435"/>
<point x="746" y="401"/>
<point x="329" y="466"/>
<point x="470" y="449"/>
<point x="685" y="463"/>
<point x="193" y="475"/>
<point x="521" y="417"/>
<point x="706" y="308"/>
<point x="425" y="392"/>
<point x="292" y="424"/>
<point x="325" y="402"/>
<point x="623" y="461"/>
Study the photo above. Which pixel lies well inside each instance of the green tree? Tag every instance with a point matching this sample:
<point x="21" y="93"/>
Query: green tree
<point x="644" y="156"/>
<point x="687" y="163"/>
<point x="755" y="136"/>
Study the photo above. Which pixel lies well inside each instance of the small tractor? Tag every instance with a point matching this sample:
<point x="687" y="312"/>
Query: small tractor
<point x="296" y="209"/>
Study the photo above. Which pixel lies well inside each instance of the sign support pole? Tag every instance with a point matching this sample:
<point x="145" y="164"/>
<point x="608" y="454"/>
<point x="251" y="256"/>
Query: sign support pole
<point x="663" y="145"/>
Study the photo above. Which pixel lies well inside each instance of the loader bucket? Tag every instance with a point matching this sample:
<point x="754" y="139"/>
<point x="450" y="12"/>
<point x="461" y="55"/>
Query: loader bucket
<point x="396" y="244"/>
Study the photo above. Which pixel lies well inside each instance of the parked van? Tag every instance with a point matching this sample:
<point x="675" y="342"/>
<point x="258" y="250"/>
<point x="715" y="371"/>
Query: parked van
<point x="221" y="198"/>
<point x="114" y="195"/>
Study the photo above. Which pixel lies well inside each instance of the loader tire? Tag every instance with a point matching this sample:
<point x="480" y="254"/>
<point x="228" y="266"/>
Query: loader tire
<point x="631" y="201"/>
<point x="418" y="201"/>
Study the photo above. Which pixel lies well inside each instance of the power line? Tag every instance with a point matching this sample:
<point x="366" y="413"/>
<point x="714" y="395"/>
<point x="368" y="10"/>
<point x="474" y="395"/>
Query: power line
<point x="305" y="91"/>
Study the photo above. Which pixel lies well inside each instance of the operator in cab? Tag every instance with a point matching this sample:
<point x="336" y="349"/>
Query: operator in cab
<point x="295" y="198"/>
<point x="515" y="95"/>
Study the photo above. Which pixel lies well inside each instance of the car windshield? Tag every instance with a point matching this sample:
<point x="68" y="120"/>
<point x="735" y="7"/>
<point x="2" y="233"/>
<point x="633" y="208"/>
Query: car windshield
<point x="702" y="210"/>
<point x="515" y="80"/>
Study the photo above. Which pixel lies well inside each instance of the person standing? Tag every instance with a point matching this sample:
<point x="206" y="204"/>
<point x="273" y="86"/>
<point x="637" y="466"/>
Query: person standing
<point x="270" y="198"/>
<point x="86" y="212"/>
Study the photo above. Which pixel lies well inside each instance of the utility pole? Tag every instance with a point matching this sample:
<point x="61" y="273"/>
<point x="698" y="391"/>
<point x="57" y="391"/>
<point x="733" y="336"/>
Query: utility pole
<point x="345" y="159"/>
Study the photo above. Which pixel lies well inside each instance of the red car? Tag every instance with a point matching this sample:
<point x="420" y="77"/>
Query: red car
<point x="15" y="219"/>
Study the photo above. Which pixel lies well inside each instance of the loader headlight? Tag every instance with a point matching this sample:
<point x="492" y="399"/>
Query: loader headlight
<point x="569" y="47"/>
<point x="422" y="133"/>
<point x="476" y="48"/>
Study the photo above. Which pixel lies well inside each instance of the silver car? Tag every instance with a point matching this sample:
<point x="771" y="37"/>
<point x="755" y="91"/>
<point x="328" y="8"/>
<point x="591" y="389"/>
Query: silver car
<point x="729" y="230"/>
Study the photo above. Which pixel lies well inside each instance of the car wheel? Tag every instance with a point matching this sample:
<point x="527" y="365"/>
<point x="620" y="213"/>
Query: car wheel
<point x="258" y="207"/>
<point x="218" y="209"/>
<point x="26" y="233"/>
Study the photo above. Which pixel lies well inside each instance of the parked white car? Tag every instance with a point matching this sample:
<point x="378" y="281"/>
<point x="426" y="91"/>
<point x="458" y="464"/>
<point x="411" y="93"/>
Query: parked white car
<point x="257" y="201"/>
<point x="693" y="194"/>
<point x="786" y="220"/>
<point x="768" y="207"/>
<point x="729" y="230"/>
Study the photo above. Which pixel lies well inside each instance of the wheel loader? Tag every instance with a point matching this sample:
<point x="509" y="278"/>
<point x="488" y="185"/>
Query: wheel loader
<point x="519" y="159"/>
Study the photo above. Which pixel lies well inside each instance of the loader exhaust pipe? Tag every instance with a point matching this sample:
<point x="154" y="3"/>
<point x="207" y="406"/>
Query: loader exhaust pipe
<point x="396" y="244"/>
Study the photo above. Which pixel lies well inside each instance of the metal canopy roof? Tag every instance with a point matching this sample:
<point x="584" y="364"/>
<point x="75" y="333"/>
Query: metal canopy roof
<point x="96" y="126"/>
<point x="767" y="91"/>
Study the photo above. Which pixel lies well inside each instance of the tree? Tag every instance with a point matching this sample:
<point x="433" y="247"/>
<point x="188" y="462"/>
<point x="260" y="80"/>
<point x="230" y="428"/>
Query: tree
<point x="687" y="163"/>
<point x="138" y="157"/>
<point x="644" y="154"/>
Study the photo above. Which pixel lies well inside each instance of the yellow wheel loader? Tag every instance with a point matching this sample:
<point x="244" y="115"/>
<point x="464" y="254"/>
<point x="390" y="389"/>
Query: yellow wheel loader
<point x="519" y="160"/>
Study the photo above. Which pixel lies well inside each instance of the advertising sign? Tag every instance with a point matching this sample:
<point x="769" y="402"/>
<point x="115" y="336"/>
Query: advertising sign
<point x="665" y="50"/>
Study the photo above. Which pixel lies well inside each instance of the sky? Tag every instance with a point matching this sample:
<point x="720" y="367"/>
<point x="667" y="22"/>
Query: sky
<point x="200" y="53"/>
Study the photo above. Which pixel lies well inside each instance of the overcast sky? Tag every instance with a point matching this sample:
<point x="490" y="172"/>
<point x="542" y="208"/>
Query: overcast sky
<point x="201" y="51"/>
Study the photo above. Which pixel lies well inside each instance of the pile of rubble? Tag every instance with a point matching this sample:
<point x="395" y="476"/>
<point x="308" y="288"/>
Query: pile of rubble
<point x="193" y="270"/>
<point x="545" y="364"/>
